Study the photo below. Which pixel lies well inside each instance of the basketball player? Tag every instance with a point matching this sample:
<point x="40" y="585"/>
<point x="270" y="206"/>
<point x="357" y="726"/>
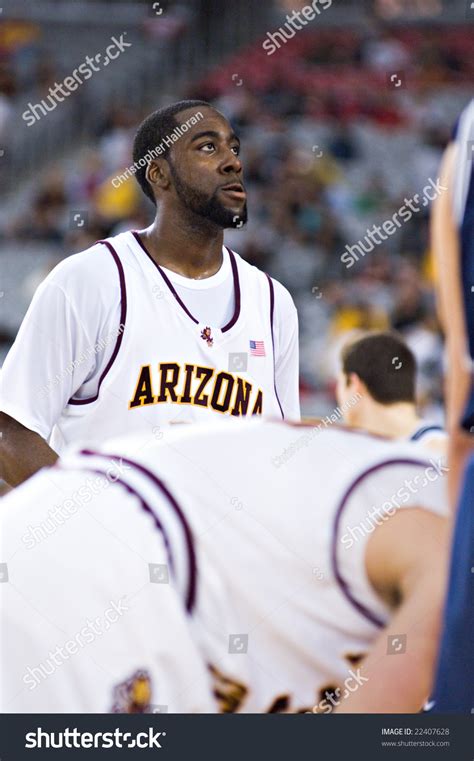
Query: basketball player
<point x="453" y="246"/>
<point x="376" y="390"/>
<point x="158" y="326"/>
<point x="287" y="578"/>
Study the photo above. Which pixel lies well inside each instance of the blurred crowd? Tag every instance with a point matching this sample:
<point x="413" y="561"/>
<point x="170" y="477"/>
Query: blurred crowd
<point x="313" y="186"/>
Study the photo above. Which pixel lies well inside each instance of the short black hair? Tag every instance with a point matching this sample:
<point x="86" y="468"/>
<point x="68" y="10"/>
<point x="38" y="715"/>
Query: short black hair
<point x="386" y="365"/>
<point x="150" y="134"/>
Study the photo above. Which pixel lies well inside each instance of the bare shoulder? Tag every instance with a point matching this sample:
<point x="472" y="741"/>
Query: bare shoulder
<point x="413" y="544"/>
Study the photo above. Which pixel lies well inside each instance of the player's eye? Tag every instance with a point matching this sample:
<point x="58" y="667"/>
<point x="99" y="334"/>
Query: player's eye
<point x="236" y="149"/>
<point x="207" y="145"/>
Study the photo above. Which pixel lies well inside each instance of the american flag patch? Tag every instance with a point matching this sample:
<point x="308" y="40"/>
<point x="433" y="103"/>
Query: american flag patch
<point x="257" y="349"/>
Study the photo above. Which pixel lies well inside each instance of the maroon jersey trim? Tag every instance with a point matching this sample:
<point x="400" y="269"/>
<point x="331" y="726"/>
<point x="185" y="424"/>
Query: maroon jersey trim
<point x="272" y="309"/>
<point x="176" y="509"/>
<point x="235" y="274"/>
<point x="343" y="584"/>
<point x="123" y="317"/>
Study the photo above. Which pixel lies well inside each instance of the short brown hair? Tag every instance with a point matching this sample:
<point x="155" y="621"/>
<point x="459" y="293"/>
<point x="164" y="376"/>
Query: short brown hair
<point x="386" y="365"/>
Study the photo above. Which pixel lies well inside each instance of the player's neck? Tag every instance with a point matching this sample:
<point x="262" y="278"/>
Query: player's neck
<point x="395" y="421"/>
<point x="191" y="251"/>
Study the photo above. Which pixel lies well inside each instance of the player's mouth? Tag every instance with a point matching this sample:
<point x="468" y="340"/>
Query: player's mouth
<point x="235" y="190"/>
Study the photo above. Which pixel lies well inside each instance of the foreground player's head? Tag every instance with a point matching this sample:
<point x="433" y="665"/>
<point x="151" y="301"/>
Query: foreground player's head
<point x="188" y="159"/>
<point x="378" y="371"/>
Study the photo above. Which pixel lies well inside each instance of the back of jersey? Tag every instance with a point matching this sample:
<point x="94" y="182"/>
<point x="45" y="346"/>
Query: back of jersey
<point x="279" y="518"/>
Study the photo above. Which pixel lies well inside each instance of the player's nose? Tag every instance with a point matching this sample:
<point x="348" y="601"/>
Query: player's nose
<point x="231" y="164"/>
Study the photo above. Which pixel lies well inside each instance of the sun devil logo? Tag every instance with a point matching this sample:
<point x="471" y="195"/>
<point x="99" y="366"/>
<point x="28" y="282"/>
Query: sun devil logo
<point x="206" y="336"/>
<point x="133" y="695"/>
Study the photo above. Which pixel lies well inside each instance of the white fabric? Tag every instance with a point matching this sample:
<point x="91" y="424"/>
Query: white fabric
<point x="90" y="619"/>
<point x="261" y="501"/>
<point x="210" y="300"/>
<point x="70" y="331"/>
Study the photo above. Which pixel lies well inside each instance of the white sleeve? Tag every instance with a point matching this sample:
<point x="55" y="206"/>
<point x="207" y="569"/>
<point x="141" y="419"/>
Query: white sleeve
<point x="285" y="330"/>
<point x="54" y="352"/>
<point x="39" y="375"/>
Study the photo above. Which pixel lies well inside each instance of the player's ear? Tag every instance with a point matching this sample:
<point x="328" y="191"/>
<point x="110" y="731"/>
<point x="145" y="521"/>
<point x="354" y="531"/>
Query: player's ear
<point x="351" y="379"/>
<point x="157" y="174"/>
<point x="355" y="383"/>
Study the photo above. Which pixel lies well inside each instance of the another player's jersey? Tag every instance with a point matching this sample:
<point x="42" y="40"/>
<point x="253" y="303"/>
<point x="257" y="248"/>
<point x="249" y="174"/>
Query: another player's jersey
<point x="454" y="686"/>
<point x="425" y="431"/>
<point x="431" y="437"/>
<point x="463" y="203"/>
<point x="82" y="625"/>
<point x="268" y="560"/>
<point x="169" y="368"/>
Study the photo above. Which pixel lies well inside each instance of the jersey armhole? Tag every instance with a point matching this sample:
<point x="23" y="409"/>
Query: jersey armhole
<point x="272" y="311"/>
<point x="336" y="540"/>
<point x="123" y="317"/>
<point x="180" y="542"/>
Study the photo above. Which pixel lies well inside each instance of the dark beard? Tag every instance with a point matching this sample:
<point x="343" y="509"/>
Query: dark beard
<point x="209" y="208"/>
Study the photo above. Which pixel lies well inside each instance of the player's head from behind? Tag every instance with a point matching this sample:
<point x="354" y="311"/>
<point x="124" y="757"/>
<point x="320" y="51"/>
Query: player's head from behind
<point x="188" y="162"/>
<point x="377" y="375"/>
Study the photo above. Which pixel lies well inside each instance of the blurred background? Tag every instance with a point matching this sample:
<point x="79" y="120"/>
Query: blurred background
<point x="343" y="121"/>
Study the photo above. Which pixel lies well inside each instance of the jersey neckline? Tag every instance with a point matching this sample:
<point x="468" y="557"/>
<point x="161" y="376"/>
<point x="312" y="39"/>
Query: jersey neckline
<point x="219" y="277"/>
<point x="169" y="284"/>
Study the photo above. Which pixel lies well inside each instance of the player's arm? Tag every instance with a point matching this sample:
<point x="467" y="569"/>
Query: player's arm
<point x="406" y="560"/>
<point x="40" y="374"/>
<point x="445" y="243"/>
<point x="22" y="452"/>
<point x="446" y="251"/>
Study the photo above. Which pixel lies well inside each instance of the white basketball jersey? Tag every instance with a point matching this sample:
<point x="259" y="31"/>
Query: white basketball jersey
<point x="169" y="368"/>
<point x="268" y="560"/>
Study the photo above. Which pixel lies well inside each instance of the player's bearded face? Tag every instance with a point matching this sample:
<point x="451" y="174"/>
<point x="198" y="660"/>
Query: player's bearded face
<point x="207" y="206"/>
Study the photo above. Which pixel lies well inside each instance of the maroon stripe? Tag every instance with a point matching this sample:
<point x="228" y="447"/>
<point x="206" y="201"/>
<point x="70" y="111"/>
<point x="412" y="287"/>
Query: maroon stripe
<point x="235" y="275"/>
<point x="143" y="504"/>
<point x="337" y="520"/>
<point x="272" y="309"/>
<point x="123" y="316"/>
<point x="189" y="541"/>
<point x="164" y="276"/>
